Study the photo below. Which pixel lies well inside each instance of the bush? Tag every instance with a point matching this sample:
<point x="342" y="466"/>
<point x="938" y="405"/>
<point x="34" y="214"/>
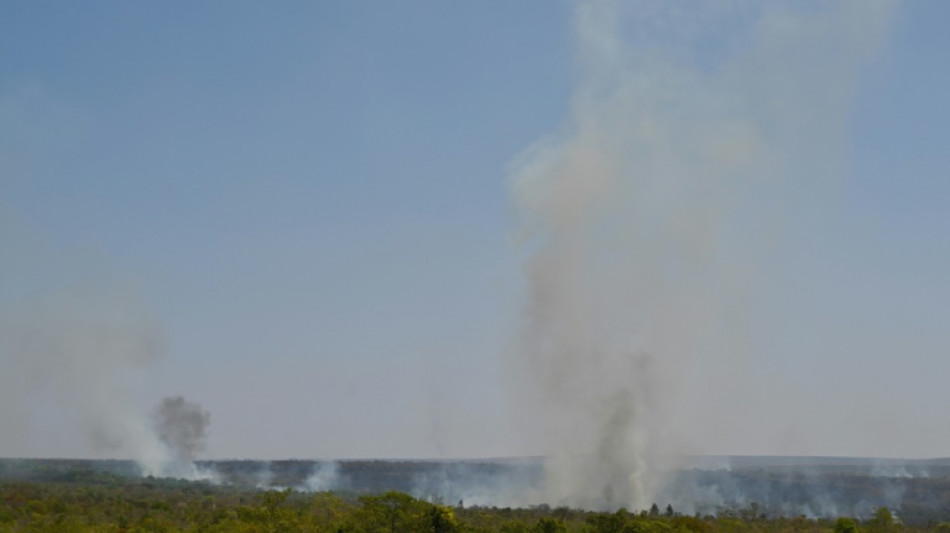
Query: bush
<point x="845" y="525"/>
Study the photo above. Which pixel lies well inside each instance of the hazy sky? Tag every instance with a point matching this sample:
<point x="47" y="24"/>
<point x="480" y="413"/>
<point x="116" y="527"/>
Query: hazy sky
<point x="309" y="203"/>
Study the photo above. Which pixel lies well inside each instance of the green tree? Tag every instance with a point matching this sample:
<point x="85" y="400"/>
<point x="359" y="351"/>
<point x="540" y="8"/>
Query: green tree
<point x="329" y="510"/>
<point x="514" y="526"/>
<point x="392" y="512"/>
<point x="549" y="525"/>
<point x="881" y="519"/>
<point x="845" y="525"/>
<point x="442" y="519"/>
<point x="609" y="523"/>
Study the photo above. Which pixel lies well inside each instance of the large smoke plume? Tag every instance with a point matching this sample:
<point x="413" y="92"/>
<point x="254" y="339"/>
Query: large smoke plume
<point x="75" y="340"/>
<point x="645" y="220"/>
<point x="73" y="352"/>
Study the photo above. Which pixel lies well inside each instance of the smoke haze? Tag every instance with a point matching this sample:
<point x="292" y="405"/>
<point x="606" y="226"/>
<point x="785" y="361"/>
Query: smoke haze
<point x="647" y="221"/>
<point x="71" y="345"/>
<point x="297" y="219"/>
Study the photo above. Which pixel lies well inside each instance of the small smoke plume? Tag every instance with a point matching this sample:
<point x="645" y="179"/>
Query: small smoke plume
<point x="644" y="217"/>
<point x="325" y="476"/>
<point x="264" y="477"/>
<point x="182" y="426"/>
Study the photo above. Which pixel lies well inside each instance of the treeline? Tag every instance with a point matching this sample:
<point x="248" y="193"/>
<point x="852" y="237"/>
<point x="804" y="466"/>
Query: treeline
<point x="167" y="505"/>
<point x="782" y="490"/>
<point x="360" y="476"/>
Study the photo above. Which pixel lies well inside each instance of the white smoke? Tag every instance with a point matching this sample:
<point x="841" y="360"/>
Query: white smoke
<point x="325" y="476"/>
<point x="643" y="218"/>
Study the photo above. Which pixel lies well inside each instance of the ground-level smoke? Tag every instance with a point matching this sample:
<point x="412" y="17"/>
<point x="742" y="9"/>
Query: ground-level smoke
<point x="643" y="219"/>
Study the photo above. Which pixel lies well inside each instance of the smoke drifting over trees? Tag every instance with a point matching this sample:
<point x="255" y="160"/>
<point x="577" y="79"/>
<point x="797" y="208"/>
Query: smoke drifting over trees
<point x="646" y="216"/>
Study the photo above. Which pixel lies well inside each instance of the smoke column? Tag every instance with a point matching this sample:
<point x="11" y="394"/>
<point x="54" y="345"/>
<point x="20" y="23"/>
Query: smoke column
<point x="325" y="476"/>
<point x="645" y="219"/>
<point x="74" y="339"/>
<point x="74" y="349"/>
<point x="182" y="426"/>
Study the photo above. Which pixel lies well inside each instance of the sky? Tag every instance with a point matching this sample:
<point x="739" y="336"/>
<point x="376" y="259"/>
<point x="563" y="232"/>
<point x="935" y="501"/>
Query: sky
<point x="303" y="213"/>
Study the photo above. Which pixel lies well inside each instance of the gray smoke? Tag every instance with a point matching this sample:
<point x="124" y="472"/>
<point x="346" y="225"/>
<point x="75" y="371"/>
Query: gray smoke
<point x="68" y="352"/>
<point x="182" y="426"/>
<point x="76" y="338"/>
<point x="643" y="220"/>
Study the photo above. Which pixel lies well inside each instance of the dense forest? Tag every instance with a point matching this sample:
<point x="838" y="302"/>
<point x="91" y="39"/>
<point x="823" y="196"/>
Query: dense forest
<point x="99" y="496"/>
<point x="170" y="505"/>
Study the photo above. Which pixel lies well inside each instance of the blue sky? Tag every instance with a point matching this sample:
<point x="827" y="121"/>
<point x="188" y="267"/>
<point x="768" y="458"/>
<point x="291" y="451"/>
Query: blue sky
<point x="311" y="200"/>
